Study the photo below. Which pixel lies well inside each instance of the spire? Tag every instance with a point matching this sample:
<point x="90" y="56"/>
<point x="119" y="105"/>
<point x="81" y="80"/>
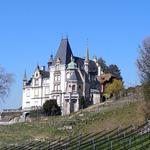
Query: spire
<point x="86" y="61"/>
<point x="38" y="67"/>
<point x="87" y="52"/>
<point x="25" y="76"/>
<point x="87" y="55"/>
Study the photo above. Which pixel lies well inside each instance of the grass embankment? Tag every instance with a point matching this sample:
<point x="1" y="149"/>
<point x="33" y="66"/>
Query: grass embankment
<point x="49" y="128"/>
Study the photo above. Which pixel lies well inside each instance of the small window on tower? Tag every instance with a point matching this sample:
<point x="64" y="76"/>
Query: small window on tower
<point x="73" y="88"/>
<point x="58" y="77"/>
<point x="68" y="75"/>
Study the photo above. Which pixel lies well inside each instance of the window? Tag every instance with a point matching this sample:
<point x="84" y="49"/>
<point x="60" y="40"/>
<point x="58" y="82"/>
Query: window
<point x="27" y="104"/>
<point x="36" y="92"/>
<point x="57" y="77"/>
<point x="57" y="87"/>
<point x="36" y="82"/>
<point x="45" y="81"/>
<point x="36" y="75"/>
<point x="73" y="88"/>
<point x="46" y="90"/>
<point x="28" y="93"/>
<point x="68" y="75"/>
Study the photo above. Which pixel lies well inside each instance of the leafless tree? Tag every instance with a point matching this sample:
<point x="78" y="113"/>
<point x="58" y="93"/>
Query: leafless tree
<point x="5" y="83"/>
<point x="143" y="64"/>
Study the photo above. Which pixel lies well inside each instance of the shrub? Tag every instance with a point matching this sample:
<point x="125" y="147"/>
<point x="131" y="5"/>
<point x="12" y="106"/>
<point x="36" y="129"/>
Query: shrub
<point x="50" y="107"/>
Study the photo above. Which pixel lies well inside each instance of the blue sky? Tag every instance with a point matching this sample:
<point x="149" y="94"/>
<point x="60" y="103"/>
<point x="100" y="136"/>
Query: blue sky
<point x="30" y="30"/>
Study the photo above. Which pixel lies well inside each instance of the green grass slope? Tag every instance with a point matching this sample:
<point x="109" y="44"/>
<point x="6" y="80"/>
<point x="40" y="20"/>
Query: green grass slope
<point x="86" y="121"/>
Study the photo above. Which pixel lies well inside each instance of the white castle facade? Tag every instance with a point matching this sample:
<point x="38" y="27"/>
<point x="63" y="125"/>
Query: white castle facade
<point x="67" y="79"/>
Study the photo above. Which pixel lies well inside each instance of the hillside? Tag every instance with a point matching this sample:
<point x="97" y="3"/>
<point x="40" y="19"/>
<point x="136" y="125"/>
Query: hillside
<point x="94" y="119"/>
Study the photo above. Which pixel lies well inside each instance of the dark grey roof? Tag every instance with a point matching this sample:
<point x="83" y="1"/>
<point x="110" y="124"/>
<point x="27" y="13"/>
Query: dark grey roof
<point x="85" y="76"/>
<point x="80" y="64"/>
<point x="29" y="82"/>
<point x="75" y="76"/>
<point x="44" y="74"/>
<point x="64" y="52"/>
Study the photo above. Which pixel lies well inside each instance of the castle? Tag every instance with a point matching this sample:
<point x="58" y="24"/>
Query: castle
<point x="67" y="79"/>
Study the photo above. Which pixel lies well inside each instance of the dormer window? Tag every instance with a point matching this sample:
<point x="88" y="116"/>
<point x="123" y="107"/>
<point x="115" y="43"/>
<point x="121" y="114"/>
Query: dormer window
<point x="36" y="82"/>
<point x="68" y="75"/>
<point x="58" y="61"/>
<point x="36" y="75"/>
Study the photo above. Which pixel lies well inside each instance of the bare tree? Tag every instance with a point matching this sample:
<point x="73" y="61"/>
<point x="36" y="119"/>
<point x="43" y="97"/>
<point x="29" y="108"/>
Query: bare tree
<point x="5" y="83"/>
<point x="143" y="64"/>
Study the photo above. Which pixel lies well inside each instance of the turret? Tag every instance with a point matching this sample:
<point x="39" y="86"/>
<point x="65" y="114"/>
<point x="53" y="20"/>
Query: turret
<point x="25" y="79"/>
<point x="50" y="61"/>
<point x="72" y="65"/>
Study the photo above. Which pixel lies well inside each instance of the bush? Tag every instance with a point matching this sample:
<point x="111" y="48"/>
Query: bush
<point x="114" y="88"/>
<point x="50" y="107"/>
<point x="82" y="102"/>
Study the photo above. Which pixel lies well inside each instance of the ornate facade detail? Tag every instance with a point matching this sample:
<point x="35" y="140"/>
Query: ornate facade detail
<point x="67" y="79"/>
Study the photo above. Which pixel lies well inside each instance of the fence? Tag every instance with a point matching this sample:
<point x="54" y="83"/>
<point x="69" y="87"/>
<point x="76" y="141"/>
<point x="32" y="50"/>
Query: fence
<point x="129" y="138"/>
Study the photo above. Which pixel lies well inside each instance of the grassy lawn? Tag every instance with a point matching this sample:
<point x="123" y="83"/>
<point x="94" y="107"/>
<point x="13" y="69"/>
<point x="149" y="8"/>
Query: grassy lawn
<point x="48" y="128"/>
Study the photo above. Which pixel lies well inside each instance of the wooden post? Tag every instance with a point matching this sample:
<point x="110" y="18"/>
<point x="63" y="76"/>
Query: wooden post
<point x="93" y="144"/>
<point x="129" y="143"/>
<point x="111" y="145"/>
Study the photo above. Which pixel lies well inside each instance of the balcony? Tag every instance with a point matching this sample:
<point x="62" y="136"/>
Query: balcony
<point x="56" y="92"/>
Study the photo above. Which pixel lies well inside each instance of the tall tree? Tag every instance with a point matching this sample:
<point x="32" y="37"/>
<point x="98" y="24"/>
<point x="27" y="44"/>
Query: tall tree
<point x="102" y="63"/>
<point x="5" y="83"/>
<point x="143" y="64"/>
<point x="114" y="70"/>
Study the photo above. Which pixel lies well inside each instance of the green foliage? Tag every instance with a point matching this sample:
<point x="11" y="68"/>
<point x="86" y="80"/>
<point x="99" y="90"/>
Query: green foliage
<point x="102" y="63"/>
<point x="114" y="87"/>
<point x="82" y="102"/>
<point x="121" y="115"/>
<point x="36" y="113"/>
<point x="50" y="107"/>
<point x="113" y="69"/>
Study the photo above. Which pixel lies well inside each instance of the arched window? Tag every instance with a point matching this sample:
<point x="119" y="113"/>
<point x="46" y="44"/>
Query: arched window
<point x="73" y="88"/>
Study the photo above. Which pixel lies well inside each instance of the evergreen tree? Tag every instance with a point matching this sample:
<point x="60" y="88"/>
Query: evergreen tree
<point x="102" y="63"/>
<point x="114" y="70"/>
